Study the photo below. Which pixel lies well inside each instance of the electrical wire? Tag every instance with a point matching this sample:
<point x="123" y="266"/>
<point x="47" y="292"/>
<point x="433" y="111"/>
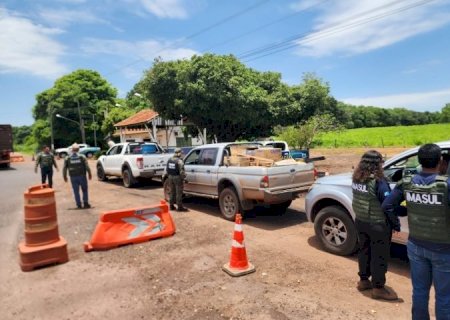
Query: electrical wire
<point x="335" y="28"/>
<point x="197" y="33"/>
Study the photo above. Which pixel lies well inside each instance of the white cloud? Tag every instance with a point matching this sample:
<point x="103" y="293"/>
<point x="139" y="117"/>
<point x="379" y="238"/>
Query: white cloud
<point x="418" y="101"/>
<point x="145" y="50"/>
<point x="28" y="48"/>
<point x="174" y="9"/>
<point x="334" y="33"/>
<point x="65" y="17"/>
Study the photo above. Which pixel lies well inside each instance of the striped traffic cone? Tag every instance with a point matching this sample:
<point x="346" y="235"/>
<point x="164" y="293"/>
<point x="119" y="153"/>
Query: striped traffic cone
<point x="238" y="265"/>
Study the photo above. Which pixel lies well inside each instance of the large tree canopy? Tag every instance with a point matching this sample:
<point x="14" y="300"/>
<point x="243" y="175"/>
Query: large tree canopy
<point x="215" y="92"/>
<point x="83" y="90"/>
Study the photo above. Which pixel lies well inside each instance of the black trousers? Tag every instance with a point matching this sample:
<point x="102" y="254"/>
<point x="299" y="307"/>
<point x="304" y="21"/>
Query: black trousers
<point x="47" y="172"/>
<point x="374" y="249"/>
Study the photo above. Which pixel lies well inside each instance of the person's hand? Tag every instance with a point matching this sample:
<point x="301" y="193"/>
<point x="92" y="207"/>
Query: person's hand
<point x="90" y="176"/>
<point x="65" y="179"/>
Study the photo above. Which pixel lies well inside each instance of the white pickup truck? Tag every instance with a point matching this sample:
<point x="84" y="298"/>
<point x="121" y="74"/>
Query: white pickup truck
<point x="131" y="161"/>
<point x="240" y="188"/>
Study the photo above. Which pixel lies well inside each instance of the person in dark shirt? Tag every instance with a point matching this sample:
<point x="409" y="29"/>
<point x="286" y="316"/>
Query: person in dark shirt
<point x="374" y="228"/>
<point x="427" y="196"/>
<point x="46" y="161"/>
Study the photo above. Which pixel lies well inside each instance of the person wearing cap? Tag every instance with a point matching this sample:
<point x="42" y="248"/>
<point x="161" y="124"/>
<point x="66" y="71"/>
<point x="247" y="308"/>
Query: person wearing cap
<point x="176" y="176"/>
<point x="77" y="166"/>
<point x="46" y="161"/>
<point x="427" y="196"/>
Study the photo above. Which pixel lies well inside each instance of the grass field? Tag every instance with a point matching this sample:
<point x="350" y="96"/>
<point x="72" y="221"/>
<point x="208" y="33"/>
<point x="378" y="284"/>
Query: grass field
<point x="401" y="136"/>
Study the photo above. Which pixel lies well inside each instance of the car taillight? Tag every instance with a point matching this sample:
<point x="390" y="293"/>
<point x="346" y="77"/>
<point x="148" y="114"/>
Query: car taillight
<point x="264" y="182"/>
<point x="140" y="162"/>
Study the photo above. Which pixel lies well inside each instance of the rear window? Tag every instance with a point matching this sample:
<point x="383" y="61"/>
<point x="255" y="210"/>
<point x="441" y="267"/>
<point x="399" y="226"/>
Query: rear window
<point x="143" y="149"/>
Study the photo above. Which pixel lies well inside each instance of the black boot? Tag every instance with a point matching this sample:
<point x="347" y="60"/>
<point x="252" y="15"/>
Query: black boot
<point x="182" y="209"/>
<point x="172" y="207"/>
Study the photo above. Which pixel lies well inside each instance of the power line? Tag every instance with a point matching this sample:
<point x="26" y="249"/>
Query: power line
<point x="314" y="35"/>
<point x="264" y="26"/>
<point x="197" y="33"/>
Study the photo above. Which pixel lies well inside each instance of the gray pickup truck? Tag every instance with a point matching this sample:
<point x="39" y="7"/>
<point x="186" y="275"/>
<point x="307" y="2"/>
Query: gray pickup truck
<point x="329" y="203"/>
<point x="240" y="188"/>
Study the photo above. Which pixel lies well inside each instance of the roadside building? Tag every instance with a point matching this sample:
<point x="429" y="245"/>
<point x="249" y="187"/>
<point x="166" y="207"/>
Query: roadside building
<point x="147" y="125"/>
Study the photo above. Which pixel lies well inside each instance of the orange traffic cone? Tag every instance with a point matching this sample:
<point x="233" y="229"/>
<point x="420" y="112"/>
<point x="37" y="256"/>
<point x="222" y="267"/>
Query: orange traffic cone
<point x="238" y="265"/>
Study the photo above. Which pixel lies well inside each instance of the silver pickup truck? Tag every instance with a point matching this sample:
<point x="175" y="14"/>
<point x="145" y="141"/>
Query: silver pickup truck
<point x="329" y="203"/>
<point x="240" y="188"/>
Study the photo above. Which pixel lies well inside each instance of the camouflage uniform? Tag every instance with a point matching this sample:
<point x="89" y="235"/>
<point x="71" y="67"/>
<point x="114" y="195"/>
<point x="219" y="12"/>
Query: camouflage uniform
<point x="77" y="166"/>
<point x="175" y="171"/>
<point x="45" y="160"/>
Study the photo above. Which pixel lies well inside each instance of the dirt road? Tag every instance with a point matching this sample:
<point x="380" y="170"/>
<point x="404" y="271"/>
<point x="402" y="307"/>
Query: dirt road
<point x="181" y="278"/>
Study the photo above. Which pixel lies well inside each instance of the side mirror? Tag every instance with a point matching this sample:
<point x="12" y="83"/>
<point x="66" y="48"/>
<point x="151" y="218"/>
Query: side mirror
<point x="397" y="176"/>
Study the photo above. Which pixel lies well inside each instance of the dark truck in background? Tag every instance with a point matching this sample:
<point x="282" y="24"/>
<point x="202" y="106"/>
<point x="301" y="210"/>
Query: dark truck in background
<point x="6" y="145"/>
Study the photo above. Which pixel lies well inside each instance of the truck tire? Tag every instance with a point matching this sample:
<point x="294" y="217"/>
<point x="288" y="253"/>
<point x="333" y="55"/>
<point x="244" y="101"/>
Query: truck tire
<point x="89" y="155"/>
<point x="336" y="230"/>
<point x="229" y="204"/>
<point x="101" y="173"/>
<point x="62" y="155"/>
<point x="127" y="177"/>
<point x="280" y="208"/>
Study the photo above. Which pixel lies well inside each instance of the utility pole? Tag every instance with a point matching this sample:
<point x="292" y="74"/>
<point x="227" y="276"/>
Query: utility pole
<point x="83" y="136"/>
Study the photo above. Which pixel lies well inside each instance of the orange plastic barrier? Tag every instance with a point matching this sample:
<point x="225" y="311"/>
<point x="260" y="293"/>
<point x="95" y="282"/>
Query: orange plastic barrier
<point x="42" y="245"/>
<point x="238" y="265"/>
<point x="129" y="226"/>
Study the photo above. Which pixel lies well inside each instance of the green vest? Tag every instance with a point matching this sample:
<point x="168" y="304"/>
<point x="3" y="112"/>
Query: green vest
<point x="428" y="210"/>
<point x="365" y="203"/>
<point x="76" y="164"/>
<point x="45" y="160"/>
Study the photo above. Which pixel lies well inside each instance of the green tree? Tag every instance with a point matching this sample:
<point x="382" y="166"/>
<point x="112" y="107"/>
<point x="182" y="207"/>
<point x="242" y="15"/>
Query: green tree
<point x="302" y="136"/>
<point x="82" y="93"/>
<point x="217" y="93"/>
<point x="445" y="113"/>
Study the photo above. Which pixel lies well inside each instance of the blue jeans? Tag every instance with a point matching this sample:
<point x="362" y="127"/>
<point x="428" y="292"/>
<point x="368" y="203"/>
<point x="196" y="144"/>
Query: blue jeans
<point x="77" y="182"/>
<point x="429" y="267"/>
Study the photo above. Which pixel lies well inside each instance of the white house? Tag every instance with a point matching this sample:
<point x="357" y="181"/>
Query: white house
<point x="147" y="125"/>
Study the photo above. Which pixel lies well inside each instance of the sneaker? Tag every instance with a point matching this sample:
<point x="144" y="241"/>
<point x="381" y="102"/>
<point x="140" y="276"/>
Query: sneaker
<point x="172" y="207"/>
<point x="364" y="285"/>
<point x="384" y="294"/>
<point x="86" y="206"/>
<point x="182" y="209"/>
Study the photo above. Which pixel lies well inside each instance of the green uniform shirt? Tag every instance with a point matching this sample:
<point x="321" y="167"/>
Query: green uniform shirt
<point x="45" y="160"/>
<point x="76" y="164"/>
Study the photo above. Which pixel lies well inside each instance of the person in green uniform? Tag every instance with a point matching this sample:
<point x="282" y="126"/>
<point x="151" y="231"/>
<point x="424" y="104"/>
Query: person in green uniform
<point x="77" y="167"/>
<point x="46" y="161"/>
<point x="176" y="176"/>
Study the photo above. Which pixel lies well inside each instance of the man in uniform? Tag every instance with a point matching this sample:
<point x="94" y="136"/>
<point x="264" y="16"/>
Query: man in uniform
<point x="77" y="166"/>
<point x="46" y="161"/>
<point x="175" y="171"/>
<point x="427" y="201"/>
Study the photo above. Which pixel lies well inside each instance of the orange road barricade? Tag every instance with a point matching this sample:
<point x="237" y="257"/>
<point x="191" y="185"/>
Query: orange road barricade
<point x="238" y="265"/>
<point x="129" y="226"/>
<point x="42" y="245"/>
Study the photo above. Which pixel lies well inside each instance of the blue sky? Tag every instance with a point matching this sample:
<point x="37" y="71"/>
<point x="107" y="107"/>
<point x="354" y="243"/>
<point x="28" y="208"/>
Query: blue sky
<point x="385" y="53"/>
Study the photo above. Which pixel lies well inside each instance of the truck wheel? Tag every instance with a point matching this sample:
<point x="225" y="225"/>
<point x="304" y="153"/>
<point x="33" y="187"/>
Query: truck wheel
<point x="336" y="230"/>
<point x="229" y="204"/>
<point x="62" y="155"/>
<point x="101" y="173"/>
<point x="167" y="190"/>
<point x="280" y="208"/>
<point x="128" y="179"/>
<point x="89" y="155"/>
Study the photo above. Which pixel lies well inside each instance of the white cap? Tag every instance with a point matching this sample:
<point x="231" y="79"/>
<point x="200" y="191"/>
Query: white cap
<point x="75" y="146"/>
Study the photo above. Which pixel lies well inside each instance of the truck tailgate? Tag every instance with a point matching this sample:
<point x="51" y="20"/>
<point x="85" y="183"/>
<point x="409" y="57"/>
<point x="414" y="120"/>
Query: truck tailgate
<point x="290" y="176"/>
<point x="155" y="162"/>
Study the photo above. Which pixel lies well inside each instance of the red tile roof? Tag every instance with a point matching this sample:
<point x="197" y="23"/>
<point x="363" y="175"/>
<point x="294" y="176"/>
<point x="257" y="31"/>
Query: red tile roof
<point x="143" y="116"/>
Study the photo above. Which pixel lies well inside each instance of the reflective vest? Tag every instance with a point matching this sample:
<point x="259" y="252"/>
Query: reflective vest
<point x="173" y="166"/>
<point x="45" y="160"/>
<point x="76" y="164"/>
<point x="428" y="210"/>
<point x="365" y="203"/>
